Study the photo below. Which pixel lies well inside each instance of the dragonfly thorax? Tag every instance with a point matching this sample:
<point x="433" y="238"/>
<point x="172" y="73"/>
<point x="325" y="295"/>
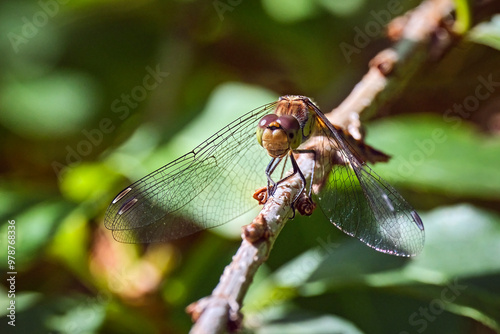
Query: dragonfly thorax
<point x="278" y="134"/>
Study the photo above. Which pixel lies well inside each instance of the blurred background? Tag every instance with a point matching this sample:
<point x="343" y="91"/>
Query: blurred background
<point x="96" y="94"/>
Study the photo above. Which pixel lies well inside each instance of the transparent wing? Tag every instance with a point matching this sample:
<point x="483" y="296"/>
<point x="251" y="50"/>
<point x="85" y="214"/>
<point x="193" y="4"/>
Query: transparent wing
<point x="363" y="205"/>
<point x="204" y="188"/>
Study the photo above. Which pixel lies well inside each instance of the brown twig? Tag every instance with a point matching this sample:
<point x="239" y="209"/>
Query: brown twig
<point x="391" y="69"/>
<point x="422" y="34"/>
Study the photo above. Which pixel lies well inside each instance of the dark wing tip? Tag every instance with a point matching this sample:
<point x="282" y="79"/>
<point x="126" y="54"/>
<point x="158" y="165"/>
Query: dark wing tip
<point x="417" y="220"/>
<point x="116" y="209"/>
<point x="121" y="195"/>
<point x="127" y="205"/>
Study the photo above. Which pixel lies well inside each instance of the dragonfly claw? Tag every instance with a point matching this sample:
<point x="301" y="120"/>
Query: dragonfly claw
<point x="262" y="194"/>
<point x="305" y="205"/>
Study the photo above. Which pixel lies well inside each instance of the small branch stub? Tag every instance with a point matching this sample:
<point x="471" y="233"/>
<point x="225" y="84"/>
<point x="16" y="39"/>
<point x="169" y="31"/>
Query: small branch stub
<point x="257" y="230"/>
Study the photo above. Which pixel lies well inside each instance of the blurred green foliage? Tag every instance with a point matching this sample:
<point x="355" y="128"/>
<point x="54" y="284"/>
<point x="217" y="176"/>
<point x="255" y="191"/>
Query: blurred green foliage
<point x="96" y="94"/>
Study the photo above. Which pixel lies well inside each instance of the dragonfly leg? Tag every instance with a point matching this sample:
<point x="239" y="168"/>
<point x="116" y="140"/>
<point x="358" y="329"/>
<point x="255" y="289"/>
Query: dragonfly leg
<point x="313" y="152"/>
<point x="296" y="169"/>
<point x="269" y="170"/>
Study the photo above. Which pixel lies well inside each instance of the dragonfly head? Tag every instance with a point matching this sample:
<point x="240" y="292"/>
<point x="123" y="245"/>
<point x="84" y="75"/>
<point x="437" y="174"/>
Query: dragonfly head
<point x="278" y="134"/>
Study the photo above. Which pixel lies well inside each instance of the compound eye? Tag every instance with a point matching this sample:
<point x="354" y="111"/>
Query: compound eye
<point x="289" y="124"/>
<point x="266" y="120"/>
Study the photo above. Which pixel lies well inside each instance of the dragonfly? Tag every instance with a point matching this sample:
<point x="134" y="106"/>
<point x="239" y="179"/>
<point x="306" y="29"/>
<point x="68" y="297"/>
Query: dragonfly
<point x="211" y="185"/>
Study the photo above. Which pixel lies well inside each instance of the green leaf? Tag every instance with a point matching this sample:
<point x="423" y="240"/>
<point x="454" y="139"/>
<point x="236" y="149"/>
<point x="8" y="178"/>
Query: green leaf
<point x="23" y="300"/>
<point x="461" y="241"/>
<point x="487" y="33"/>
<point x="429" y="153"/>
<point x="459" y="261"/>
<point x="86" y="181"/>
<point x="342" y="8"/>
<point x="288" y="11"/>
<point x="37" y="108"/>
<point x="70" y="243"/>
<point x="84" y="315"/>
<point x="33" y="229"/>
<point x="297" y="323"/>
